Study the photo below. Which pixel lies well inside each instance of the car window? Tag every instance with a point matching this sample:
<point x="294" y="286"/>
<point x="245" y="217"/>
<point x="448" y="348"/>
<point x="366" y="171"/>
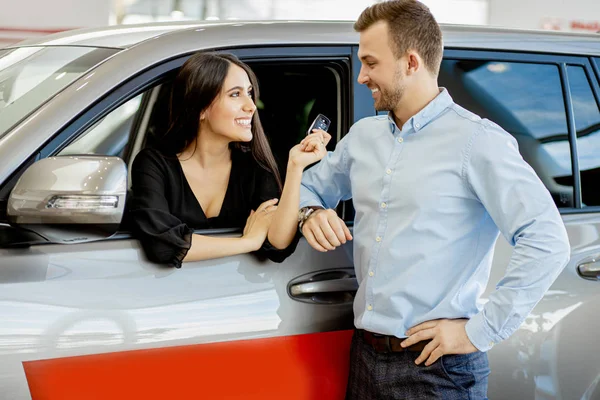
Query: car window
<point x="285" y="116"/>
<point x="29" y="76"/>
<point x="286" y="113"/>
<point x="110" y="135"/>
<point x="587" y="125"/>
<point x="289" y="102"/>
<point x="527" y="100"/>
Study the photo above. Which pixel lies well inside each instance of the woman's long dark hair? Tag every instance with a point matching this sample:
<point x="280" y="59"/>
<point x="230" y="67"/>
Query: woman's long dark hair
<point x="198" y="83"/>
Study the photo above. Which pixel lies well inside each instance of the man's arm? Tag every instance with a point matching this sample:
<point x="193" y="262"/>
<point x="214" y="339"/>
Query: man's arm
<point x="525" y="213"/>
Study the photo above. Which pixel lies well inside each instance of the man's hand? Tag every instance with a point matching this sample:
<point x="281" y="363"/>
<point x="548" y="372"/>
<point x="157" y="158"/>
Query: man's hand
<point x="448" y="336"/>
<point x="324" y="230"/>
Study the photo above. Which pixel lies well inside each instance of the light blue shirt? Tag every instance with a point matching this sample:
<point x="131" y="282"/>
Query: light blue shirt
<point x="430" y="200"/>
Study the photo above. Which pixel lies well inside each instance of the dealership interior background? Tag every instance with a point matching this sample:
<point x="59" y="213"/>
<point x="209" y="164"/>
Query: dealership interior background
<point x="25" y="19"/>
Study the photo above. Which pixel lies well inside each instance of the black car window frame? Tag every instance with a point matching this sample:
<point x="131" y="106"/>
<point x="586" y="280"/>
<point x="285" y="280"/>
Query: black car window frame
<point x="161" y="72"/>
<point x="590" y="82"/>
<point x="561" y="61"/>
<point x="595" y="62"/>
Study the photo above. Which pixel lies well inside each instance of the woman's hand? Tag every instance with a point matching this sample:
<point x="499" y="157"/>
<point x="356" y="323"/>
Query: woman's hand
<point x="257" y="224"/>
<point x="310" y="150"/>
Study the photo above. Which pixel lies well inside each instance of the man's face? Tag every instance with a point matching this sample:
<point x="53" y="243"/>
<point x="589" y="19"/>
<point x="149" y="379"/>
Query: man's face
<point x="380" y="69"/>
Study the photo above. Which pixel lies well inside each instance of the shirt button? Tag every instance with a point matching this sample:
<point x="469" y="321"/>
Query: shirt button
<point x="370" y="307"/>
<point x="378" y="239"/>
<point x="383" y="205"/>
<point x="492" y="343"/>
<point x="400" y="140"/>
<point x="417" y="125"/>
<point x="371" y="273"/>
<point x="388" y="171"/>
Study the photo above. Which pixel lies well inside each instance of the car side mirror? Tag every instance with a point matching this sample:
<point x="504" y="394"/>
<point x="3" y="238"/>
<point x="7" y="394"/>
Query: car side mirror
<point x="70" y="199"/>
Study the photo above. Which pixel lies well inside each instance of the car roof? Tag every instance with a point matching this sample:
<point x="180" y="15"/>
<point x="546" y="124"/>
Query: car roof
<point x="323" y="32"/>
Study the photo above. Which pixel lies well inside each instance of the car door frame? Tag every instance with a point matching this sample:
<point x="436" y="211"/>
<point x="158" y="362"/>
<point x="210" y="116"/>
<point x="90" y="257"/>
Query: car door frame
<point x="546" y="342"/>
<point x="150" y="77"/>
<point x="561" y="61"/>
<point x="146" y="79"/>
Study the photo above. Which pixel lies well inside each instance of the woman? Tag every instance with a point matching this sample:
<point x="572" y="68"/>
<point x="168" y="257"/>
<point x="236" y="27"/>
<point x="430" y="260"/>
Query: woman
<point x="213" y="169"/>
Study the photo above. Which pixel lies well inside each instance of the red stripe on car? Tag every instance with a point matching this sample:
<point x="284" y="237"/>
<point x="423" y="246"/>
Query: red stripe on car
<point x="300" y="367"/>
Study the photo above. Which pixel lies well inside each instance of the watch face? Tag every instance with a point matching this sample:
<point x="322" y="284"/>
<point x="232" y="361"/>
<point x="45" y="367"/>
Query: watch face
<point x="301" y="214"/>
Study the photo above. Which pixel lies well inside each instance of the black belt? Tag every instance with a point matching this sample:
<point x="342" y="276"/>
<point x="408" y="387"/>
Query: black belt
<point x="388" y="343"/>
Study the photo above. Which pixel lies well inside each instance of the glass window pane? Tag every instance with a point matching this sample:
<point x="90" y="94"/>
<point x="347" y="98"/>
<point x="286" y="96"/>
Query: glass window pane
<point x="587" y="125"/>
<point x="30" y="76"/>
<point x="527" y="101"/>
<point x="110" y="135"/>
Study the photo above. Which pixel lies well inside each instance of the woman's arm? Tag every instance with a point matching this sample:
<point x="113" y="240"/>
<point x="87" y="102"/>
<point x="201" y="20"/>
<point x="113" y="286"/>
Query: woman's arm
<point x="208" y="247"/>
<point x="285" y="221"/>
<point x="255" y="232"/>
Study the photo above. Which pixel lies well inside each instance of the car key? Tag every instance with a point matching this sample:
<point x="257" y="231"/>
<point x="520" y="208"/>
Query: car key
<point x="321" y="122"/>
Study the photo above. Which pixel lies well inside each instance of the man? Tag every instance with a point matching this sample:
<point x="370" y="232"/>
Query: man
<point x="432" y="185"/>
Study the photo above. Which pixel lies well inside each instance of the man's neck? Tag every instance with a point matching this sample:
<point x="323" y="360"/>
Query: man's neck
<point x="413" y="101"/>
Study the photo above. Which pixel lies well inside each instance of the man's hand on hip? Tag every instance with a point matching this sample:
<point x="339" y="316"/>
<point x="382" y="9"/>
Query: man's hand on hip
<point x="448" y="336"/>
<point x="324" y="230"/>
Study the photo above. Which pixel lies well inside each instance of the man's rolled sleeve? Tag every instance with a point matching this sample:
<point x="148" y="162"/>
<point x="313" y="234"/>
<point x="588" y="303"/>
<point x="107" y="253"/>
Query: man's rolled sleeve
<point x="480" y="334"/>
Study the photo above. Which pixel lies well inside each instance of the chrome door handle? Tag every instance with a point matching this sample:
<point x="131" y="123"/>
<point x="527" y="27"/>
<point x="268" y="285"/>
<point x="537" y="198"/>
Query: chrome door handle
<point x="333" y="285"/>
<point x="590" y="269"/>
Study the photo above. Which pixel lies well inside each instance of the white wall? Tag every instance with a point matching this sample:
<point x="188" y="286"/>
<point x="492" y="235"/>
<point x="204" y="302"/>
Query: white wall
<point x="319" y="9"/>
<point x="448" y="11"/>
<point x="566" y="15"/>
<point x="470" y="12"/>
<point x="54" y="13"/>
<point x="20" y="19"/>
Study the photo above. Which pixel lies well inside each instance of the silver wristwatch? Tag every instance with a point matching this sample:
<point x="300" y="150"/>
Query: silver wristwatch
<point x="303" y="215"/>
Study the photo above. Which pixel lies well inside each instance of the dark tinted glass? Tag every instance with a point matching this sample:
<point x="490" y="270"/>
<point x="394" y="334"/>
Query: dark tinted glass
<point x="527" y="101"/>
<point x="587" y="125"/>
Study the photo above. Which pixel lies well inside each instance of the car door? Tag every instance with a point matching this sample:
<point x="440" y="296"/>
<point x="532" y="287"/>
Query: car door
<point x="98" y="320"/>
<point x="550" y="105"/>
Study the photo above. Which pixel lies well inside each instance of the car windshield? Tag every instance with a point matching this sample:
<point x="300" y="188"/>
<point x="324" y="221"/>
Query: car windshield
<point x="30" y="76"/>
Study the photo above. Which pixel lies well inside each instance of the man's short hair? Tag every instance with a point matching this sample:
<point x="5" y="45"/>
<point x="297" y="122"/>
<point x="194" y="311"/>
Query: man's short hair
<point x="411" y="26"/>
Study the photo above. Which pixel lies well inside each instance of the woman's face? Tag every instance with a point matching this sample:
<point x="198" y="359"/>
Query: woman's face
<point x="230" y="114"/>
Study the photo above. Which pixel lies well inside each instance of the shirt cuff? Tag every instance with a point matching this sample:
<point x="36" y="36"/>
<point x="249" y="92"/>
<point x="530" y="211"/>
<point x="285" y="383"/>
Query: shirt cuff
<point x="479" y="333"/>
<point x="310" y="203"/>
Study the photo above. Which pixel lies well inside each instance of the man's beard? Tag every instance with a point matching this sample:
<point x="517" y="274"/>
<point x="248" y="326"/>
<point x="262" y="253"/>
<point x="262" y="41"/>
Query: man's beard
<point x="389" y="99"/>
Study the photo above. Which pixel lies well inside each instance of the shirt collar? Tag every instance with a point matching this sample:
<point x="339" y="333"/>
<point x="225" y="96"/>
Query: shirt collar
<point x="427" y="114"/>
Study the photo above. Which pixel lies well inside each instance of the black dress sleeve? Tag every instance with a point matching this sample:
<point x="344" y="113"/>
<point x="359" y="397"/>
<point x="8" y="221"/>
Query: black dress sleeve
<point x="164" y="238"/>
<point x="267" y="190"/>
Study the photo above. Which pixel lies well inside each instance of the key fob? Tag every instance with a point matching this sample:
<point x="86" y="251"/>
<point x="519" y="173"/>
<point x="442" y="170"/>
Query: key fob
<point x="321" y="122"/>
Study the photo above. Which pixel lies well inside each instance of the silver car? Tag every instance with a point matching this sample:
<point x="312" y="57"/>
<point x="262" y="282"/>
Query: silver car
<point x="84" y="314"/>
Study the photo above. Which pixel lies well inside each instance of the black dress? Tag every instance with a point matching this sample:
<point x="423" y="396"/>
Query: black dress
<point x="164" y="212"/>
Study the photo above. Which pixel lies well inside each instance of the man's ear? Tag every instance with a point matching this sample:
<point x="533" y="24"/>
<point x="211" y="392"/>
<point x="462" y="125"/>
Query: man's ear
<point x="414" y="62"/>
